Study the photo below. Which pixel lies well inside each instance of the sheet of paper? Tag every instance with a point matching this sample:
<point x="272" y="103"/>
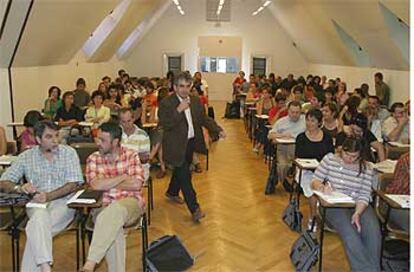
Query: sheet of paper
<point x="397" y="144"/>
<point x="32" y="204"/>
<point x="75" y="199"/>
<point x="402" y="200"/>
<point x="335" y="197"/>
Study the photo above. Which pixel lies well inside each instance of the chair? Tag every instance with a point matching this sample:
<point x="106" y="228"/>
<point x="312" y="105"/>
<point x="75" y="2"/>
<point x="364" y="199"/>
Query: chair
<point x="84" y="150"/>
<point x="389" y="230"/>
<point x="150" y="196"/>
<point x="140" y="223"/>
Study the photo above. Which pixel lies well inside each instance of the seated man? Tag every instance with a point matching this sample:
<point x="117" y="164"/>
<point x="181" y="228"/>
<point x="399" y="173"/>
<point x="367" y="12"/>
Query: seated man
<point x="396" y="128"/>
<point x="287" y="127"/>
<point x="118" y="172"/>
<point x="135" y="138"/>
<point x="53" y="172"/>
<point x="381" y="112"/>
<point x="400" y="185"/>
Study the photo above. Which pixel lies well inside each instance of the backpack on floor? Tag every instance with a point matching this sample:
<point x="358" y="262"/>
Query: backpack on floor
<point x="292" y="215"/>
<point x="396" y="256"/>
<point x="304" y="253"/>
<point x="168" y="254"/>
<point x="210" y="112"/>
<point x="232" y="110"/>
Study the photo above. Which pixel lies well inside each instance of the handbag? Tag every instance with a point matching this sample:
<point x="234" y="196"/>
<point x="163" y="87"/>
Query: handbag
<point x="292" y="216"/>
<point x="304" y="253"/>
<point x="271" y="180"/>
<point x="168" y="254"/>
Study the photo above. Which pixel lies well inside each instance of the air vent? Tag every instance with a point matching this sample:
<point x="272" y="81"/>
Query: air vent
<point x="212" y="8"/>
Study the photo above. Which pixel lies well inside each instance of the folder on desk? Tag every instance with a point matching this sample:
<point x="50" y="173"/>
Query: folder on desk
<point x="85" y="197"/>
<point x="335" y="197"/>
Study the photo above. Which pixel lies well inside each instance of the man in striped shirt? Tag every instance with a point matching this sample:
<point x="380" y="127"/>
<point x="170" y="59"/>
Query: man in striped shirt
<point x="118" y="172"/>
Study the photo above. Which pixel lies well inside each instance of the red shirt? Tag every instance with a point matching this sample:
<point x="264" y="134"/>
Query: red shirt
<point x="273" y="112"/>
<point x="401" y="183"/>
<point x="203" y="100"/>
<point x="239" y="81"/>
<point x="127" y="163"/>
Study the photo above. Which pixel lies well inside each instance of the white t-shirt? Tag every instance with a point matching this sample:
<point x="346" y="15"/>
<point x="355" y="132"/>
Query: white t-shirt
<point x="390" y="124"/>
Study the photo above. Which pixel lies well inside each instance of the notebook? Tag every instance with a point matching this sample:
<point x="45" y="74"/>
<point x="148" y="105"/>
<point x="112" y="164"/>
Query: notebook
<point x="335" y="197"/>
<point x="387" y="166"/>
<point x="85" y="197"/>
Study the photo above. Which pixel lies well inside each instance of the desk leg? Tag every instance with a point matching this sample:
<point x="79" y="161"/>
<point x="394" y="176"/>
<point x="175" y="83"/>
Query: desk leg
<point x="144" y="241"/>
<point x="321" y="238"/>
<point x="298" y="187"/>
<point x="15" y="236"/>
<point x="384" y="234"/>
<point x="84" y="217"/>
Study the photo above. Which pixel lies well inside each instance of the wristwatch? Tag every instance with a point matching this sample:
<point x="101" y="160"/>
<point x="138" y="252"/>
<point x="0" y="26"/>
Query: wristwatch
<point x="17" y="188"/>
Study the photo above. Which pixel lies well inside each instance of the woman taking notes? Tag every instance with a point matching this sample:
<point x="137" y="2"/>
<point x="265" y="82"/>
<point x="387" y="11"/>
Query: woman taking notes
<point x="348" y="173"/>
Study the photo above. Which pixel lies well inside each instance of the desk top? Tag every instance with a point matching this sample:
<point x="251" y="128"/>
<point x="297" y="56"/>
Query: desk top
<point x="7" y="160"/>
<point x="385" y="167"/>
<point x="15" y="124"/>
<point x="395" y="201"/>
<point x="284" y="141"/>
<point x="77" y="205"/>
<point x="397" y="144"/>
<point x="149" y="125"/>
<point x="263" y="116"/>
<point x="309" y="164"/>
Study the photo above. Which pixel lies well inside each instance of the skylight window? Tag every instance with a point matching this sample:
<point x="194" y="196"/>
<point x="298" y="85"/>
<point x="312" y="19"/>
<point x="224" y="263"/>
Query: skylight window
<point x="105" y="28"/>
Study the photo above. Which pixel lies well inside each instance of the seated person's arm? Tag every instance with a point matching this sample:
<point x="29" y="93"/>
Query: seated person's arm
<point x="380" y="150"/>
<point x="105" y="184"/>
<point x="135" y="177"/>
<point x="273" y="135"/>
<point x="62" y="191"/>
<point x="66" y="123"/>
<point x="7" y="186"/>
<point x="12" y="176"/>
<point x="356" y="217"/>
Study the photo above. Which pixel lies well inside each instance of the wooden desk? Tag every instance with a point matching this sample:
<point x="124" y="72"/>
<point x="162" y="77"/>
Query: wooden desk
<point x="84" y="210"/>
<point x="395" y="150"/>
<point x="303" y="164"/>
<point x="7" y="160"/>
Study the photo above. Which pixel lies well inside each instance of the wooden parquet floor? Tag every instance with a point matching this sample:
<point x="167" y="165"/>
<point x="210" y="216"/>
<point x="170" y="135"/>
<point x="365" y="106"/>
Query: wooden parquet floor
<point x="243" y="230"/>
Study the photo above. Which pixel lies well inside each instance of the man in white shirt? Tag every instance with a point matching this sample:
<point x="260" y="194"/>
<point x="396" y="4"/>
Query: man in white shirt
<point x="136" y="139"/>
<point x="396" y="128"/>
<point x="287" y="127"/>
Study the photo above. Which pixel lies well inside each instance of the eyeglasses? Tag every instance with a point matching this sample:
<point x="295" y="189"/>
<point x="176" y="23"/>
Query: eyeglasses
<point x="184" y="85"/>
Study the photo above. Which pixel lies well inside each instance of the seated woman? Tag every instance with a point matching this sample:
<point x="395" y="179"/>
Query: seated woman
<point x="3" y="141"/>
<point x="252" y="93"/>
<point x="348" y="111"/>
<point x="358" y="128"/>
<point x="68" y="115"/>
<point x="113" y="100"/>
<point x="279" y="110"/>
<point x="97" y="113"/>
<point x="374" y="123"/>
<point x="330" y="121"/>
<point x="347" y="172"/>
<point x="52" y="103"/>
<point x="314" y="143"/>
<point x="149" y="105"/>
<point x="27" y="139"/>
<point x="263" y="106"/>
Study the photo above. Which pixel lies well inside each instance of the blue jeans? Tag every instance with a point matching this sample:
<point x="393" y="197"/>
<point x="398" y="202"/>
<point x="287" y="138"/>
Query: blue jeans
<point x="363" y="249"/>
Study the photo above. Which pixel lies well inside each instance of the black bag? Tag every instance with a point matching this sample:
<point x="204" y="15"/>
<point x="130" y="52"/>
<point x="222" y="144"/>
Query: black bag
<point x="396" y="256"/>
<point x="232" y="110"/>
<point x="210" y="112"/>
<point x="168" y="254"/>
<point x="304" y="253"/>
<point x="292" y="216"/>
<point x="78" y="134"/>
<point x="271" y="180"/>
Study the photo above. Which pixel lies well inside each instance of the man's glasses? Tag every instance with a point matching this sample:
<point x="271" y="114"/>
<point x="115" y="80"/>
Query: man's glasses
<point x="184" y="85"/>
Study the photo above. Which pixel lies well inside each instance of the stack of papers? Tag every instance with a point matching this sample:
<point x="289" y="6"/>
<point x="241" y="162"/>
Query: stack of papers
<point x="307" y="163"/>
<point x="387" y="166"/>
<point x="402" y="200"/>
<point x="335" y="197"/>
<point x="397" y="144"/>
<point x="76" y="199"/>
<point x="263" y="116"/>
<point x="285" y="140"/>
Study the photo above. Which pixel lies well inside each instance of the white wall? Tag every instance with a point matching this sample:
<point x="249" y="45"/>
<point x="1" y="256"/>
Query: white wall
<point x="399" y="81"/>
<point x="5" y="108"/>
<point x="173" y="33"/>
<point x="30" y="84"/>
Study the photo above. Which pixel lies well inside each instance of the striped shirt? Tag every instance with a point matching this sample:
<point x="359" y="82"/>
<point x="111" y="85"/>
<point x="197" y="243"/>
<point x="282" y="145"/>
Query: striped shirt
<point x="345" y="179"/>
<point x="46" y="175"/>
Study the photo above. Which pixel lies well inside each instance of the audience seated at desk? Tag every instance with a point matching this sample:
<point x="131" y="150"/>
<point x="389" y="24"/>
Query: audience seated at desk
<point x="400" y="185"/>
<point x="53" y="172"/>
<point x="348" y="172"/>
<point x="81" y="96"/>
<point x="358" y="128"/>
<point x="52" y="103"/>
<point x="118" y="172"/>
<point x="314" y="143"/>
<point x="396" y="128"/>
<point x="27" y="139"/>
<point x="330" y="121"/>
<point x="381" y="112"/>
<point x="69" y="114"/>
<point x="279" y="110"/>
<point x="97" y="113"/>
<point x="113" y="99"/>
<point x="287" y="127"/>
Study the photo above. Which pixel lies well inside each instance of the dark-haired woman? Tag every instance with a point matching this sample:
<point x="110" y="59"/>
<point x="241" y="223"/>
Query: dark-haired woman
<point x="69" y="114"/>
<point x="52" y="103"/>
<point x="358" y="128"/>
<point x="330" y="121"/>
<point x="347" y="172"/>
<point x="314" y="143"/>
<point x="27" y="139"/>
<point x="97" y="113"/>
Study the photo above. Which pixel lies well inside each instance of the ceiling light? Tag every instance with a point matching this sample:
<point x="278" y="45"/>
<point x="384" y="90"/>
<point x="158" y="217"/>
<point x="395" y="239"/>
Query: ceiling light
<point x="182" y="12"/>
<point x="221" y="2"/>
<point x="176" y="2"/>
